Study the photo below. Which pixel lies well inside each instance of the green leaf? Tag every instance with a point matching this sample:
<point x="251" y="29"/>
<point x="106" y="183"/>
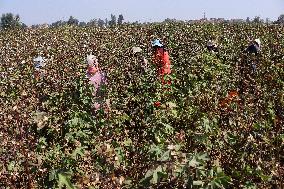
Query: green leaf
<point x="11" y="166"/>
<point x="155" y="177"/>
<point x="120" y="154"/>
<point x="168" y="128"/>
<point x="171" y="104"/>
<point x="165" y="156"/>
<point x="174" y="113"/>
<point x="198" y="183"/>
<point x="42" y="140"/>
<point x="128" y="142"/>
<point x="157" y="174"/>
<point x="63" y="180"/>
<point x="52" y="175"/>
<point x="149" y="173"/>
<point x="203" y="157"/>
<point x="78" y="151"/>
<point x="193" y="162"/>
<point x="155" y="150"/>
<point x="206" y="124"/>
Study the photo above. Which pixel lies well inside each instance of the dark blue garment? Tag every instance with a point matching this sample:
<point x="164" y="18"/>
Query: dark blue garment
<point x="253" y="48"/>
<point x="211" y="48"/>
<point x="253" y="65"/>
<point x="38" y="65"/>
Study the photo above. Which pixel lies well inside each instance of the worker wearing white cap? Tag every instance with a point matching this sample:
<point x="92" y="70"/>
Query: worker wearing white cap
<point x="254" y="47"/>
<point x="39" y="64"/>
<point x="142" y="61"/>
<point x="97" y="79"/>
<point x="212" y="46"/>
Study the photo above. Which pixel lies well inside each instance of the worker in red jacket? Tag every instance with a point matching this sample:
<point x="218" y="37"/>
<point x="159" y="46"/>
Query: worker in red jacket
<point x="161" y="60"/>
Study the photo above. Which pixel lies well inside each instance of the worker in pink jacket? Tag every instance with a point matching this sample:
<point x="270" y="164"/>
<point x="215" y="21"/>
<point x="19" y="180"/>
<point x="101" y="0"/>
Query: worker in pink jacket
<point x="98" y="79"/>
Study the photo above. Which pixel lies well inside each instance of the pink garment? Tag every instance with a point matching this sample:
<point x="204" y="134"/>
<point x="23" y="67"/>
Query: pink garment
<point x="97" y="80"/>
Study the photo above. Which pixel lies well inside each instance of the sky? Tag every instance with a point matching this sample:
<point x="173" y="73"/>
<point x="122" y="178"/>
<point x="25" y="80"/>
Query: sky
<point x="48" y="11"/>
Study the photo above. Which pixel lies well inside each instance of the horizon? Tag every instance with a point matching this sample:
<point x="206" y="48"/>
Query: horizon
<point x="36" y="12"/>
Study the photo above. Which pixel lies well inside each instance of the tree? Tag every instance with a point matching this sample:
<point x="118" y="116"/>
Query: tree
<point x="9" y="21"/>
<point x="93" y="22"/>
<point x="72" y="21"/>
<point x="280" y="19"/>
<point x="58" y="23"/>
<point x="82" y="24"/>
<point x="248" y="20"/>
<point x="120" y="19"/>
<point x="169" y="20"/>
<point x="257" y="20"/>
<point x="112" y="21"/>
<point x="23" y="25"/>
<point x="101" y="23"/>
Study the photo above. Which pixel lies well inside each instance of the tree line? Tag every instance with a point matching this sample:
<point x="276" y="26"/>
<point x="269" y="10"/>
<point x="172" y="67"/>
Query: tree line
<point x="11" y="21"/>
<point x="94" y="22"/>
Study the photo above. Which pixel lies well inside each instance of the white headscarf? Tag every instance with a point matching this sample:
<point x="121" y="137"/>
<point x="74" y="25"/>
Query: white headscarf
<point x="39" y="59"/>
<point x="257" y="41"/>
<point x="211" y="43"/>
<point x="92" y="60"/>
<point x="39" y="62"/>
<point x="136" y="49"/>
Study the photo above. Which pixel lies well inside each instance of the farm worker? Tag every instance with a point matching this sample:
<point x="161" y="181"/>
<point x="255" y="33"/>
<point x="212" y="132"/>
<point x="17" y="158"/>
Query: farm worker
<point x="232" y="96"/>
<point x="137" y="52"/>
<point x="254" y="46"/>
<point x="97" y="79"/>
<point x="248" y="67"/>
<point x="224" y="106"/>
<point x="161" y="60"/>
<point x="39" y="63"/>
<point x="212" y="46"/>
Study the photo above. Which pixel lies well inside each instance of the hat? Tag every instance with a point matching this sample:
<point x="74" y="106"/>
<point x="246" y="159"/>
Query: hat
<point x="211" y="43"/>
<point x="257" y="41"/>
<point x="39" y="59"/>
<point x="136" y="49"/>
<point x="91" y="59"/>
<point x="39" y="62"/>
<point x="157" y="42"/>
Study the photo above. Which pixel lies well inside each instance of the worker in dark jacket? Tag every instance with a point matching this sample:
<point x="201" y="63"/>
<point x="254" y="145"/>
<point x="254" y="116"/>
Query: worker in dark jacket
<point x="212" y="46"/>
<point x="254" y="47"/>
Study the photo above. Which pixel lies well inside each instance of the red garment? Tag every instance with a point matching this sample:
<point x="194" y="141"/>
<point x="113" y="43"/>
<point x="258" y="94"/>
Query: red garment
<point x="162" y="60"/>
<point x="157" y="104"/>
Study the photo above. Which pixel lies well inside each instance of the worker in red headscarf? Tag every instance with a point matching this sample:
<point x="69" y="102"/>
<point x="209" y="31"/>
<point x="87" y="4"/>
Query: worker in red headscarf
<point x="162" y="60"/>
